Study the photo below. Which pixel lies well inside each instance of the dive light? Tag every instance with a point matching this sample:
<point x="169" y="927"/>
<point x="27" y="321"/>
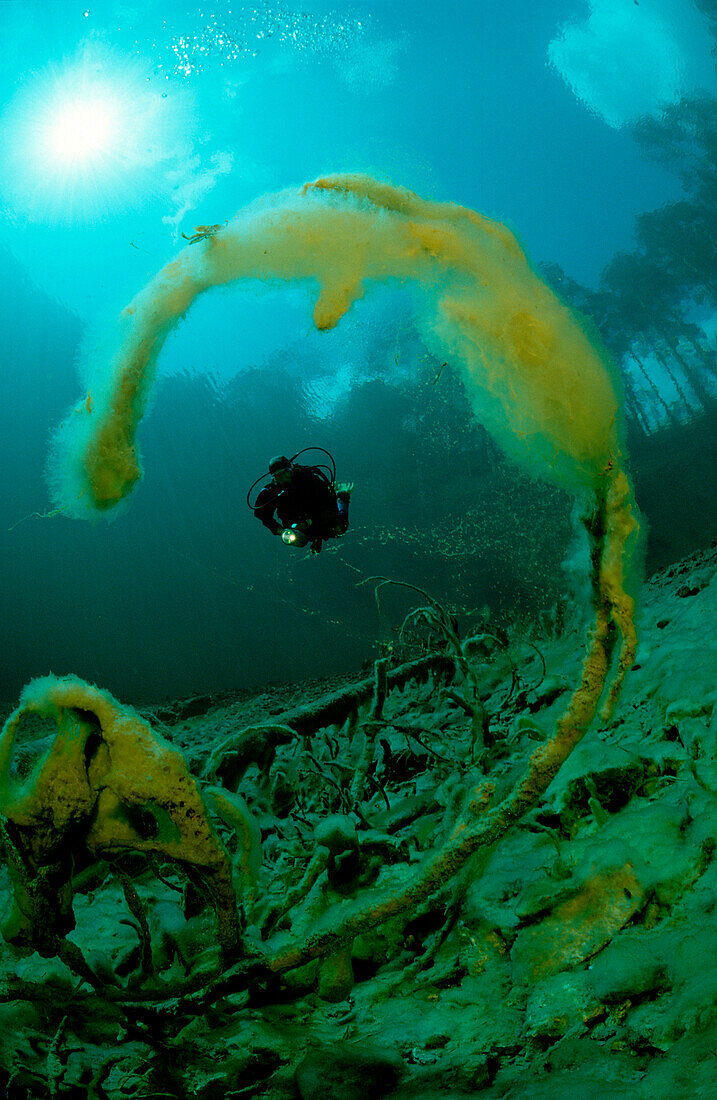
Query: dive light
<point x="294" y="536"/>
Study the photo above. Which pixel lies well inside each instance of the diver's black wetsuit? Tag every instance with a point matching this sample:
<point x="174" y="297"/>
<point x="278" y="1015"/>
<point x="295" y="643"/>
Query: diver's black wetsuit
<point x="309" y="500"/>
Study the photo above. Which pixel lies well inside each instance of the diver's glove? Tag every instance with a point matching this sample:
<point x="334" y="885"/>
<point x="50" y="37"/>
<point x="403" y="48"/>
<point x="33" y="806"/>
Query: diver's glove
<point x="344" y="488"/>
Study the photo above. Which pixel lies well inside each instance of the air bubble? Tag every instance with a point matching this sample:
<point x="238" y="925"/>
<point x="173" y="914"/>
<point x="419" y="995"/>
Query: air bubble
<point x="231" y="41"/>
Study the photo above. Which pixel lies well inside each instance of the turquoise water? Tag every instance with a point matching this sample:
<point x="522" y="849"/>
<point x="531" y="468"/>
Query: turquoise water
<point x="125" y="126"/>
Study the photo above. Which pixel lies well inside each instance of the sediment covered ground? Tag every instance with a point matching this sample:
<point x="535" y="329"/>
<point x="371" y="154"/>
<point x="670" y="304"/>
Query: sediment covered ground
<point x="576" y="958"/>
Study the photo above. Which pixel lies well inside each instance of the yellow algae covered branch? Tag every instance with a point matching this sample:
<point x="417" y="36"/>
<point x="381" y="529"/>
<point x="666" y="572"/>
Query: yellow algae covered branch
<point x="534" y="378"/>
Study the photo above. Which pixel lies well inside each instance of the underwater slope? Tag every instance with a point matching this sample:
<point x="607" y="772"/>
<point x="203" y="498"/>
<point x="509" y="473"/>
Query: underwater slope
<point x="574" y="957"/>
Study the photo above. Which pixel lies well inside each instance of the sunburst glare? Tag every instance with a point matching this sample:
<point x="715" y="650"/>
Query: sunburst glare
<point x="80" y="133"/>
<point x="90" y="138"/>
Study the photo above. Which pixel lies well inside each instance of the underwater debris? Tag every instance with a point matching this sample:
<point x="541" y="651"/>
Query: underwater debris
<point x="568" y="947"/>
<point x="202" y="232"/>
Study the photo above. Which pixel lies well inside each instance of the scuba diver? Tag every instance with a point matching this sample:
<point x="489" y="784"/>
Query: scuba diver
<point x="303" y="504"/>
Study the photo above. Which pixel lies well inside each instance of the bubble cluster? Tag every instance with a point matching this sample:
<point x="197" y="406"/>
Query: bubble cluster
<point x="246" y="32"/>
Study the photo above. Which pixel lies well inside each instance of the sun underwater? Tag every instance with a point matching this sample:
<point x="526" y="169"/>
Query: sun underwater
<point x="90" y="137"/>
